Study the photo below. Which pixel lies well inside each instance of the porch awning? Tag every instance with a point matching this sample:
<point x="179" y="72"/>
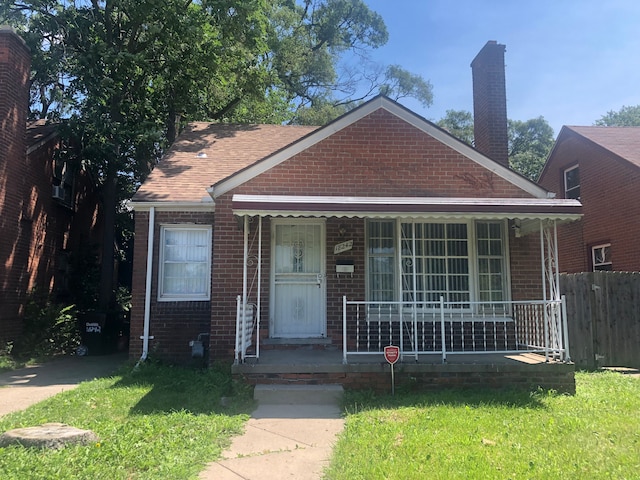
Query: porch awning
<point x="407" y="207"/>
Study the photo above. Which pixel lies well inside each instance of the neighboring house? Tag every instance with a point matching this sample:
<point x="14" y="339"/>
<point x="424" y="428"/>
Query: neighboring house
<point x="47" y="210"/>
<point x="377" y="228"/>
<point x="600" y="166"/>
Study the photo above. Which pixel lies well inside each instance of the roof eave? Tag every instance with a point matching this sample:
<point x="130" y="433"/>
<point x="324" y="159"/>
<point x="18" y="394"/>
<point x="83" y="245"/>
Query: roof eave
<point x="173" y="206"/>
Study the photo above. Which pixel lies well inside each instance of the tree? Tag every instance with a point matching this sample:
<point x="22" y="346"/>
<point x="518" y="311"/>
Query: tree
<point x="125" y="74"/>
<point x="529" y="142"/>
<point x="127" y="70"/>
<point x="529" y="145"/>
<point x="625" y="117"/>
<point x="458" y="123"/>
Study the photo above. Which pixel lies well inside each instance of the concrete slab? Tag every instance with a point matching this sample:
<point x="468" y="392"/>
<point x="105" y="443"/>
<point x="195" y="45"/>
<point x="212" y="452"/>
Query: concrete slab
<point x="298" y="394"/>
<point x="24" y="387"/>
<point x="281" y="441"/>
<point x="301" y="464"/>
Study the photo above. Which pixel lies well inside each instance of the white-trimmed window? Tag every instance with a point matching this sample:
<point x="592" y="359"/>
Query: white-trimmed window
<point x="435" y="263"/>
<point x="601" y="257"/>
<point x="491" y="262"/>
<point x="381" y="241"/>
<point x="185" y="263"/>
<point x="572" y="182"/>
<point x="462" y="262"/>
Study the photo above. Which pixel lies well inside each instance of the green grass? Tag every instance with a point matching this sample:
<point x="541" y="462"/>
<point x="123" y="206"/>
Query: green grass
<point x="495" y="435"/>
<point x="155" y="422"/>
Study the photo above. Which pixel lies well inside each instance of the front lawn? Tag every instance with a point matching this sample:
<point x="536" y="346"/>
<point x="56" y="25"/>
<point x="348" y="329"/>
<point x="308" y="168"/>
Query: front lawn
<point x="495" y="435"/>
<point x="155" y="422"/>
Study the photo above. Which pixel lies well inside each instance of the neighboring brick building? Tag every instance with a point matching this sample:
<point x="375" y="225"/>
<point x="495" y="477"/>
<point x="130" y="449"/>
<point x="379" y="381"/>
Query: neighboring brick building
<point x="47" y="209"/>
<point x="294" y="219"/>
<point x="601" y="167"/>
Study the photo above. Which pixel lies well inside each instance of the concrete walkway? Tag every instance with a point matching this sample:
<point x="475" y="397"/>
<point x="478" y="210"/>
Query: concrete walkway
<point x="22" y="388"/>
<point x="281" y="441"/>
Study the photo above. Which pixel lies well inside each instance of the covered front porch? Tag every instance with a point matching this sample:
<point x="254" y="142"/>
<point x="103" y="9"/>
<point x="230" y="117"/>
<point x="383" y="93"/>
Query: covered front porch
<point x="442" y="279"/>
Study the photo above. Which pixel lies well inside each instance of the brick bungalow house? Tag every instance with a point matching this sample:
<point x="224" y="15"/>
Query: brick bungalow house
<point x="379" y="228"/>
<point x="600" y="166"/>
<point x="47" y="210"/>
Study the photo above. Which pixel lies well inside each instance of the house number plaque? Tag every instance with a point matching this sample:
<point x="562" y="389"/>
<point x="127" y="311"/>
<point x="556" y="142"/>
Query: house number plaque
<point x="343" y="247"/>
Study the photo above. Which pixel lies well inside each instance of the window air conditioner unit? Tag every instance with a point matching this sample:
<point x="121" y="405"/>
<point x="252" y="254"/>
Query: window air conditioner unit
<point x="58" y="192"/>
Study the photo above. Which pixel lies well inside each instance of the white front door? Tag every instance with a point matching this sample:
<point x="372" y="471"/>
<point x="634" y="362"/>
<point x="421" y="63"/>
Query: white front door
<point x="298" y="279"/>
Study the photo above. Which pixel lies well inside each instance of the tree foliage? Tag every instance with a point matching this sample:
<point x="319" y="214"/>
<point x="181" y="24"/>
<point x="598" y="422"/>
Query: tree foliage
<point x="625" y="117"/>
<point x="125" y="74"/>
<point x="530" y="141"/>
<point x="458" y="123"/>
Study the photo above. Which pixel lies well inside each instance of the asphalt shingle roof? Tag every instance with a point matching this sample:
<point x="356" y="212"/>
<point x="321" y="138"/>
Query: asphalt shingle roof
<point x="38" y="131"/>
<point x="622" y="141"/>
<point x="205" y="153"/>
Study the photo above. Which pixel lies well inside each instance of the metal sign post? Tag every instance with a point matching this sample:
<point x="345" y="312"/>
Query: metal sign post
<point x="392" y="355"/>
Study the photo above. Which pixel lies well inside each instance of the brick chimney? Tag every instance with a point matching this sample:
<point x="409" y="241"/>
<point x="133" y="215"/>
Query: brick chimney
<point x="490" y="103"/>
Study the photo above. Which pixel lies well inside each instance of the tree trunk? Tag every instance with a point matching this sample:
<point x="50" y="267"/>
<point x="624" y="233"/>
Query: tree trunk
<point x="109" y="201"/>
<point x="173" y="124"/>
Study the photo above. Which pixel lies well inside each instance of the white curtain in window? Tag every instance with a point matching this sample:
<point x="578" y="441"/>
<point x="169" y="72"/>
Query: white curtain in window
<point x="185" y="261"/>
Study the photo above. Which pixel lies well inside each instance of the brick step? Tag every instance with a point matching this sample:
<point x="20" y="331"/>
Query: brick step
<point x="286" y="394"/>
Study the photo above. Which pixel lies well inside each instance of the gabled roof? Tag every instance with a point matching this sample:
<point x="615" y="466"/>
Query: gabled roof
<point x="219" y="157"/>
<point x="207" y="153"/>
<point x="621" y="141"/>
<point x="39" y="133"/>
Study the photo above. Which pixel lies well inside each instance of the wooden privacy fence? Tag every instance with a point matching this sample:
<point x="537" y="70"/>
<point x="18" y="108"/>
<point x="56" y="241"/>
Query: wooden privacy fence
<point x="603" y="310"/>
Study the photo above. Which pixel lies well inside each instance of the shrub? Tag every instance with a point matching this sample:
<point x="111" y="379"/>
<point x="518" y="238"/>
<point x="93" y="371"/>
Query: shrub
<point x="49" y="328"/>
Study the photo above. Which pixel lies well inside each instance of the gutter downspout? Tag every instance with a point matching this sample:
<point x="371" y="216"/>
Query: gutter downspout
<point x="147" y="296"/>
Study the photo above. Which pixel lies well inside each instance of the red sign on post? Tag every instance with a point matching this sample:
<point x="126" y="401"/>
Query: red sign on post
<point x="392" y="353"/>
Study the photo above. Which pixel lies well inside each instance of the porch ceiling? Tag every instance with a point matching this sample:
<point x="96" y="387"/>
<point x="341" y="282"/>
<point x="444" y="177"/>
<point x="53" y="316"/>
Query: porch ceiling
<point x="523" y="209"/>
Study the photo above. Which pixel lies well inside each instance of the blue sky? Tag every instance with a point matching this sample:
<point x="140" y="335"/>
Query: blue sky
<point x="570" y="61"/>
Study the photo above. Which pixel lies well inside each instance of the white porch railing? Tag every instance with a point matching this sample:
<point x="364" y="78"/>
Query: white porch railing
<point x="455" y="327"/>
<point x="245" y="328"/>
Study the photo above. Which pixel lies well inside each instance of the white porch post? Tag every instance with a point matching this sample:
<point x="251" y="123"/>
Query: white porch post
<point x="551" y="283"/>
<point x="544" y="291"/>
<point x="244" y="285"/>
<point x="414" y="309"/>
<point x="344" y="329"/>
<point x="259" y="287"/>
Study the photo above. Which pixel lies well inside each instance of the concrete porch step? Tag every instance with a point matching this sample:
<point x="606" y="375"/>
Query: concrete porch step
<point x="284" y="394"/>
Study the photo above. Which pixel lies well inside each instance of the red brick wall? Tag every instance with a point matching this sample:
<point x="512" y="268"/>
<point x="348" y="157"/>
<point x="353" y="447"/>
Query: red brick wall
<point x="36" y="228"/>
<point x="381" y="155"/>
<point x="610" y="204"/>
<point x="15" y="64"/>
<point x="172" y="324"/>
<point x="419" y="378"/>
<point x="526" y="269"/>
